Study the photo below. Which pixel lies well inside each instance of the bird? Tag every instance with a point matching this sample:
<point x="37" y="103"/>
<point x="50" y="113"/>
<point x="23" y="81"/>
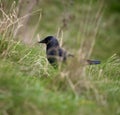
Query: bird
<point x="56" y="54"/>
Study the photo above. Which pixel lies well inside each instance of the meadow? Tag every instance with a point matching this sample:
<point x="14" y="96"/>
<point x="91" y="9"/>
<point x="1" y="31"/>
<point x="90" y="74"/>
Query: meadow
<point x="30" y="85"/>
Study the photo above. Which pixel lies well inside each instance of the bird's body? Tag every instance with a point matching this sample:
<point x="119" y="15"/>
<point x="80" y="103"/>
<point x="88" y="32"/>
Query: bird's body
<point x="56" y="54"/>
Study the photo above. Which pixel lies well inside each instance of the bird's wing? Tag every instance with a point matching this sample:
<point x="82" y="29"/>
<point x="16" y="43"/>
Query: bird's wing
<point x="62" y="54"/>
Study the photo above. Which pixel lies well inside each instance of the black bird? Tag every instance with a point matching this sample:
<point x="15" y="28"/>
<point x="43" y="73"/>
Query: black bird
<point x="56" y="54"/>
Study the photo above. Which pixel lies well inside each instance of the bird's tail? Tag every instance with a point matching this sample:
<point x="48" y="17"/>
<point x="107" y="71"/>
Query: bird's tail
<point x="93" y="62"/>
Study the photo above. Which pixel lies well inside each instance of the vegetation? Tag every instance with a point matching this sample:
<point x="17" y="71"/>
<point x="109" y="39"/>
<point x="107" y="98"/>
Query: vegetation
<point x="28" y="83"/>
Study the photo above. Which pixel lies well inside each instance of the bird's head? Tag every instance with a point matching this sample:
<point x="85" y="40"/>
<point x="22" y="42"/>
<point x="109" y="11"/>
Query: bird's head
<point x="50" y="40"/>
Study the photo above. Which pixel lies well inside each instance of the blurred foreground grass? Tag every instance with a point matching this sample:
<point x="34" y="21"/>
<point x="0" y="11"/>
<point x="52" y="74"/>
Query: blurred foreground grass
<point x="29" y="86"/>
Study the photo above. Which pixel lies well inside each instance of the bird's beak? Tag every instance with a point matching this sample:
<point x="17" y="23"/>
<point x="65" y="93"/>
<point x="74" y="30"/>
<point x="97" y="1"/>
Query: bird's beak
<point x="42" y="41"/>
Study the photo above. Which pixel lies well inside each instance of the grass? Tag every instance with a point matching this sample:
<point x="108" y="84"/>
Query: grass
<point x="29" y="85"/>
